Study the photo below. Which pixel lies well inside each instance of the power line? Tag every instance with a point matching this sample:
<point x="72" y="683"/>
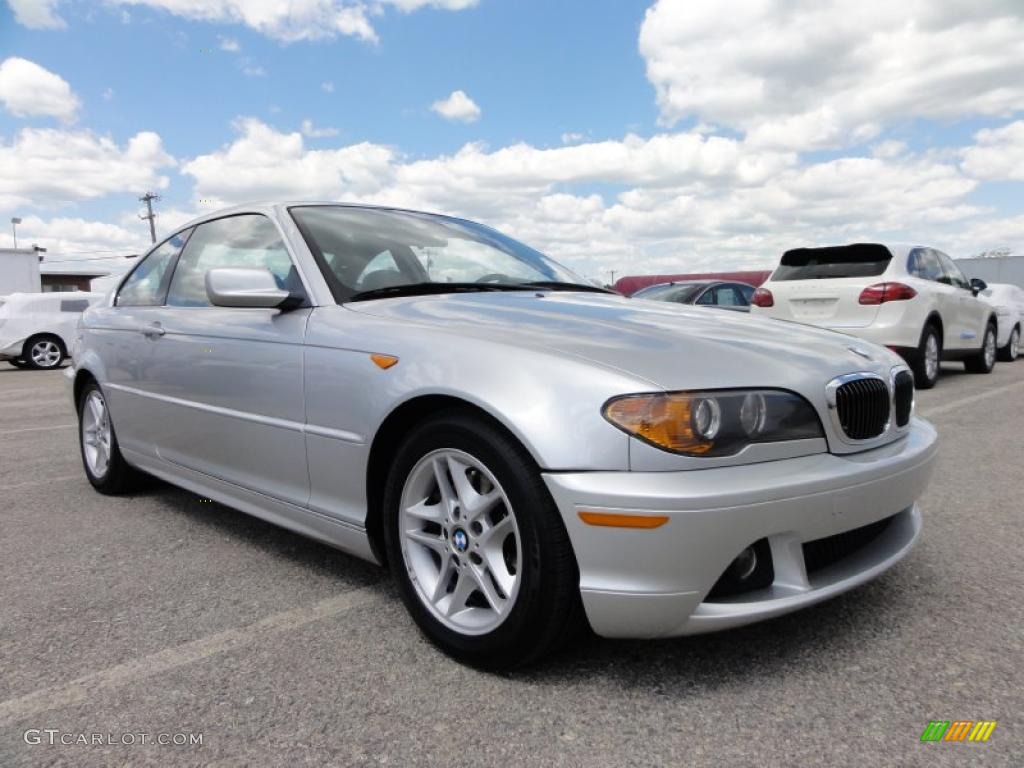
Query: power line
<point x="148" y="198"/>
<point x="94" y="258"/>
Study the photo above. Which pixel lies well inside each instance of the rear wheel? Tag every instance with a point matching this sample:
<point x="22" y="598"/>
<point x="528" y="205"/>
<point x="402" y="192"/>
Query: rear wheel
<point x="984" y="360"/>
<point x="43" y="352"/>
<point x="478" y="549"/>
<point x="1009" y="353"/>
<point x="926" y="362"/>
<point x="104" y="465"/>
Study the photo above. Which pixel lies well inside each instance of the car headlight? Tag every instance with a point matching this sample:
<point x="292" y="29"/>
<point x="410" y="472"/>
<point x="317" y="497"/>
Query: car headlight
<point x="714" y="422"/>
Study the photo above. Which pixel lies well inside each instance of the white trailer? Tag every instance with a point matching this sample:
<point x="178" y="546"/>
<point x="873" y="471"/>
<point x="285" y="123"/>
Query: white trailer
<point x="19" y="271"/>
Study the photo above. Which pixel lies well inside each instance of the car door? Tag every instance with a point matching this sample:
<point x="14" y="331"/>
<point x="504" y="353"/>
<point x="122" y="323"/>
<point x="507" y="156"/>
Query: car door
<point x="973" y="311"/>
<point x="924" y="264"/>
<point x="123" y="336"/>
<point x="227" y="383"/>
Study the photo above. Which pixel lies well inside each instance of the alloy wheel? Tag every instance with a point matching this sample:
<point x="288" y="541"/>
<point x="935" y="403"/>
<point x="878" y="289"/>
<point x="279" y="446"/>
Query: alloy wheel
<point x="460" y="541"/>
<point x="96" y="434"/>
<point x="45" y="353"/>
<point x="1014" y="344"/>
<point x="990" y="348"/>
<point x="931" y="356"/>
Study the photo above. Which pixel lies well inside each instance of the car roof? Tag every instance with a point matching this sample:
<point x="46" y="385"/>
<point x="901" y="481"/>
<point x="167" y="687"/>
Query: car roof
<point x="279" y="206"/>
<point x="678" y="282"/>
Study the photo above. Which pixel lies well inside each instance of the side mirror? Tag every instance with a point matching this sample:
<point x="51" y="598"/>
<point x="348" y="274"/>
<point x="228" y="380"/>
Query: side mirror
<point x="978" y="285"/>
<point x="244" y="287"/>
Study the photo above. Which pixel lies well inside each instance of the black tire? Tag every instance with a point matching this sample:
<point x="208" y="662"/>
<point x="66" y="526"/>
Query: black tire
<point x="923" y="379"/>
<point x="980" y="362"/>
<point x="18" y="363"/>
<point x="547" y="611"/>
<point x="41" y="339"/>
<point x="119" y="476"/>
<point x="1008" y="353"/>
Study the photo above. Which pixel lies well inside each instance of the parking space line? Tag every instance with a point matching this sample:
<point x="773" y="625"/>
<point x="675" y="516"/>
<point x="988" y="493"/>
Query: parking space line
<point x="36" y="429"/>
<point x="87" y="687"/>
<point x="953" y="405"/>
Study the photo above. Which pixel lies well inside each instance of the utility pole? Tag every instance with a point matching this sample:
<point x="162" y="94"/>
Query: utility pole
<point x="14" y="229"/>
<point x="612" y="271"/>
<point x="148" y="199"/>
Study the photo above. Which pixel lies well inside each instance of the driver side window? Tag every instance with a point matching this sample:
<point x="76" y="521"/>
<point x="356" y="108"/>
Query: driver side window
<point x="249" y="240"/>
<point x="956" y="277"/>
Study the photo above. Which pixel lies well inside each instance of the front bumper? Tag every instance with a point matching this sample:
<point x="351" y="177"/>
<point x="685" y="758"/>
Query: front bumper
<point x="13" y="350"/>
<point x="653" y="583"/>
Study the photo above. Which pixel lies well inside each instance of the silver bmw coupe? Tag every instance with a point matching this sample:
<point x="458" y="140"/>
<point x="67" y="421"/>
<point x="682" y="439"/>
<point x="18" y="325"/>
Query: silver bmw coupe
<point x="527" y="453"/>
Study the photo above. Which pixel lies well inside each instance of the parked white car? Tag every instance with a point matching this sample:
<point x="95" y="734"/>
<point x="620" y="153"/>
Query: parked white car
<point x="912" y="299"/>
<point x="37" y="329"/>
<point x="1008" y="302"/>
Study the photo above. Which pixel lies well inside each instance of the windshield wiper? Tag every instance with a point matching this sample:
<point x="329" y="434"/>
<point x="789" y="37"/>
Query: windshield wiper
<point x="425" y="289"/>
<point x="555" y="285"/>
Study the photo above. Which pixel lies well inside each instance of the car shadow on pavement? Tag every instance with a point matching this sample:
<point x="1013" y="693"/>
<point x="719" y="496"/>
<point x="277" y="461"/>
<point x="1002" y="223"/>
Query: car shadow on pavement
<point x="830" y="636"/>
<point x="267" y="537"/>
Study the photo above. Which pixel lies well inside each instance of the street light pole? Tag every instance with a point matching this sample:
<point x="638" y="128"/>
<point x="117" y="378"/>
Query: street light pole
<point x="14" y="229"/>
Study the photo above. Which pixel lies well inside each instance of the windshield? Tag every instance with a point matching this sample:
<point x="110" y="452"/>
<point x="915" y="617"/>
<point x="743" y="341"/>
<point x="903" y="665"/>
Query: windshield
<point x="682" y="293"/>
<point x="858" y="260"/>
<point x="370" y="253"/>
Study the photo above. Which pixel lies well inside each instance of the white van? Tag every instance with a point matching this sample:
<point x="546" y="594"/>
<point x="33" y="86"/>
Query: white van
<point x="36" y="329"/>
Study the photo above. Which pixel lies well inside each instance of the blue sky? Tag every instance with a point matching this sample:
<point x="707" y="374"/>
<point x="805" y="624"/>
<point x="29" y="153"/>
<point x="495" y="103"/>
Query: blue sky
<point x="616" y="134"/>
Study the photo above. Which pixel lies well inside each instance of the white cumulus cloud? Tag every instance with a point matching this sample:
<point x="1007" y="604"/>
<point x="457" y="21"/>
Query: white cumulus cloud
<point x="27" y="90"/>
<point x="998" y="153"/>
<point x="311" y="131"/>
<point x="458" y="106"/>
<point x="36" y="14"/>
<point x="827" y="73"/>
<point x="287" y="21"/>
<point x="48" y="167"/>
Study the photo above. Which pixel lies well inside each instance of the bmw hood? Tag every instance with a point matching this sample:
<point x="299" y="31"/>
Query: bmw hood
<point x="670" y="345"/>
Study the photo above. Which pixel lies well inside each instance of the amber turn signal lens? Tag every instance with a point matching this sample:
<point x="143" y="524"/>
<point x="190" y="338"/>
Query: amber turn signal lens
<point x="666" y="420"/>
<point x="614" y="520"/>
<point x="384" y="361"/>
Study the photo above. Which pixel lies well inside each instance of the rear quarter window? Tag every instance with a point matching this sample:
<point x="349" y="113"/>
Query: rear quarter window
<point x="858" y="260"/>
<point x="74" y="305"/>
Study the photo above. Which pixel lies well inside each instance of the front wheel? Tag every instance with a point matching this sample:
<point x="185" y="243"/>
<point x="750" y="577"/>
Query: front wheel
<point x="478" y="549"/>
<point x="105" y="467"/>
<point x="984" y="360"/>
<point x="1009" y="353"/>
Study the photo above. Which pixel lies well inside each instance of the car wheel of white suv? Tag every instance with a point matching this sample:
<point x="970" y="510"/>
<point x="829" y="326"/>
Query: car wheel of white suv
<point x="984" y="360"/>
<point x="1009" y="353"/>
<point x="926" y="365"/>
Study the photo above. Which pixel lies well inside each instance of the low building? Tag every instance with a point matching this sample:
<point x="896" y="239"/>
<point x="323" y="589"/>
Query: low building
<point x="60" y="278"/>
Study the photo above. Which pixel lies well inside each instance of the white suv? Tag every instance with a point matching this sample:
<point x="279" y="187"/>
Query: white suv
<point x="912" y="299"/>
<point x="1008" y="302"/>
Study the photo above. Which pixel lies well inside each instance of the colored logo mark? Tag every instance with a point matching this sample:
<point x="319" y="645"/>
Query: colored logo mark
<point x="958" y="730"/>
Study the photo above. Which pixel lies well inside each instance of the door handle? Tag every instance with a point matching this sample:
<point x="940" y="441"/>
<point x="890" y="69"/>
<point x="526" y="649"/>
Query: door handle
<point x="152" y="330"/>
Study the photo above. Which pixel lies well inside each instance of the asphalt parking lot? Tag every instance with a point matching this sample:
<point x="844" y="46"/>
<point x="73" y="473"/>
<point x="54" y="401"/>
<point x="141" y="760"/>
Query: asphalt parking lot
<point x="163" y="613"/>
